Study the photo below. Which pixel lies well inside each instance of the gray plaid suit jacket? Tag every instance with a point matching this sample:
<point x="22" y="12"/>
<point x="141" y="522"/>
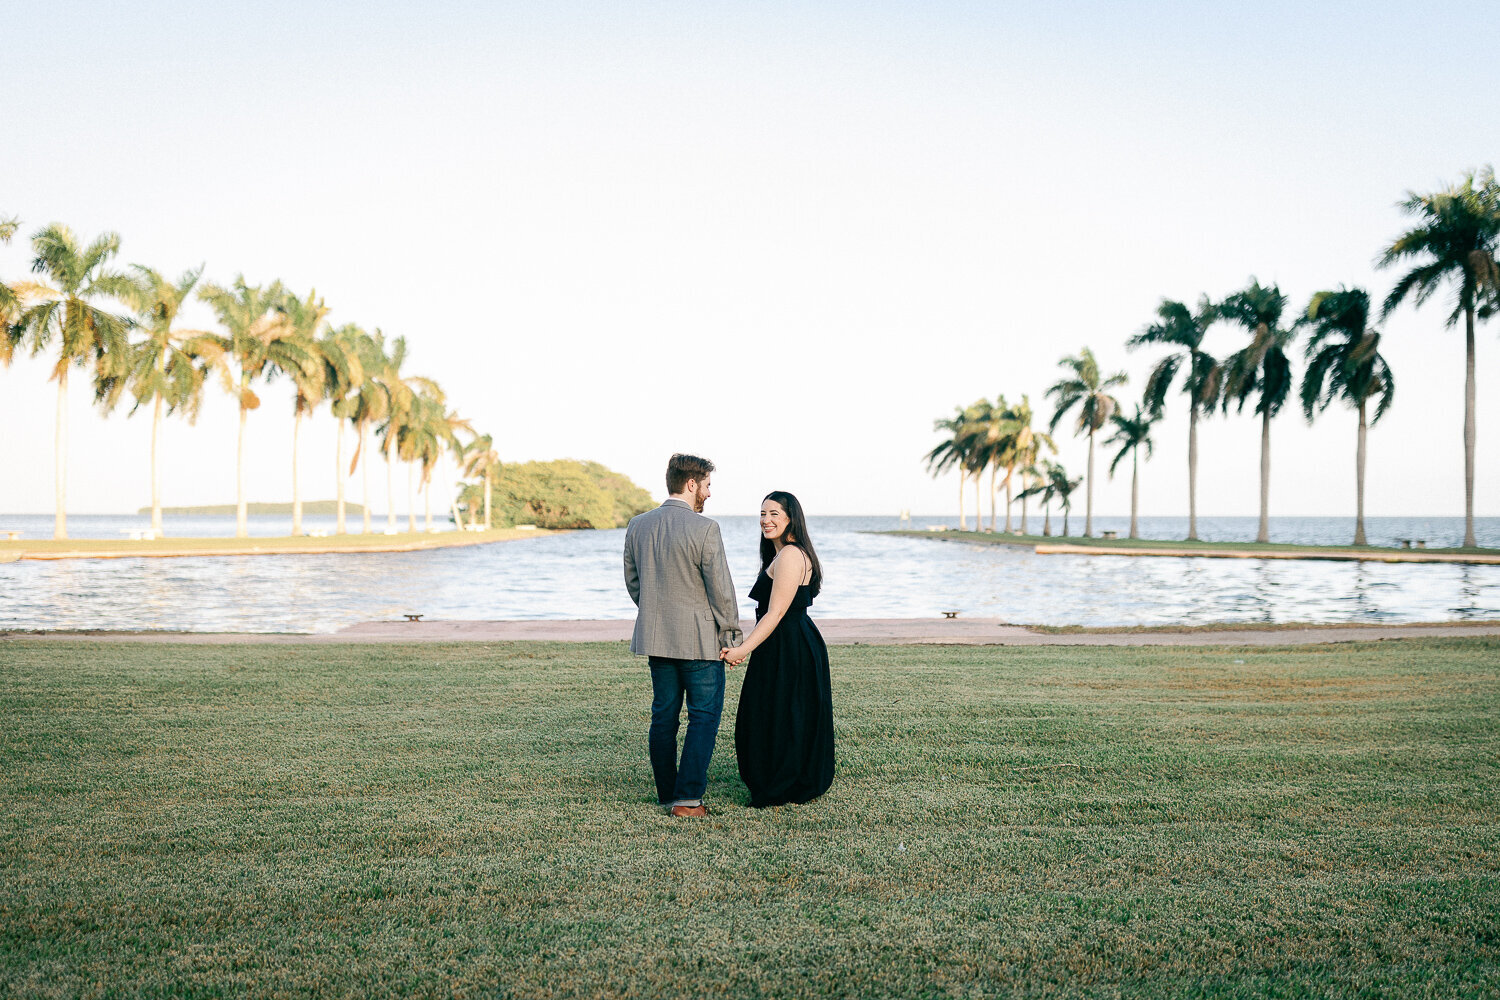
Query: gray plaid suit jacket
<point x="678" y="576"/>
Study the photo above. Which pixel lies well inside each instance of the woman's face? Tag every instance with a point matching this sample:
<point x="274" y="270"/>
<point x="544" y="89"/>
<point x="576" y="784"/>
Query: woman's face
<point x="773" y="520"/>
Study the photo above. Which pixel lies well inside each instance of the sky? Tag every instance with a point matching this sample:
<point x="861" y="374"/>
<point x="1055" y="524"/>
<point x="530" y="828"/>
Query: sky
<point x="787" y="237"/>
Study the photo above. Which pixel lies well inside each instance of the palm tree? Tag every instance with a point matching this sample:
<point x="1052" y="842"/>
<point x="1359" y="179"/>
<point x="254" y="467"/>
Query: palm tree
<point x="257" y="342"/>
<point x="1062" y="488"/>
<point x="481" y="460"/>
<point x="1090" y="392"/>
<point x="419" y="442"/>
<point x="65" y="311"/>
<point x="367" y="404"/>
<point x="163" y="369"/>
<point x="433" y="432"/>
<point x="343" y="377"/>
<point x="989" y="436"/>
<point x="1183" y="328"/>
<point x="1456" y="241"/>
<point x="401" y="394"/>
<point x="953" y="452"/>
<point x="1344" y="361"/>
<point x="1132" y="434"/>
<point x="10" y="302"/>
<point x="1262" y="368"/>
<point x="304" y="322"/>
<point x="1031" y="475"/>
<point x="1023" y="447"/>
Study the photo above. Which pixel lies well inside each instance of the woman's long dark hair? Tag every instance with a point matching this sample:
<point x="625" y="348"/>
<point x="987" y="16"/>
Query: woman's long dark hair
<point x="796" y="533"/>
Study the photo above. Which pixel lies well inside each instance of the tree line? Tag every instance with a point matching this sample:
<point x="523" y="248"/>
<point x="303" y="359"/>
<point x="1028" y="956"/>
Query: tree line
<point x="121" y="326"/>
<point x="1454" y="243"/>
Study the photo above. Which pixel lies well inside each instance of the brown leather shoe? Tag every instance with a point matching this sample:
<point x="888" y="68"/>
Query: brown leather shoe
<point x="697" y="812"/>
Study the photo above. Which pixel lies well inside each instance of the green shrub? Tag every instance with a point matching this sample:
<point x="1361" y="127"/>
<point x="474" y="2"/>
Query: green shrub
<point x="563" y="494"/>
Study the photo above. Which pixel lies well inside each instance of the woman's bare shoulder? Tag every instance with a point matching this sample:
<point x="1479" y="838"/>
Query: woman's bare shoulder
<point x="795" y="558"/>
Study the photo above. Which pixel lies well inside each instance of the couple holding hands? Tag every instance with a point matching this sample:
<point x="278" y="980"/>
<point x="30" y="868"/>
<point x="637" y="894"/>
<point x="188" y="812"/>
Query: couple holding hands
<point x="688" y="627"/>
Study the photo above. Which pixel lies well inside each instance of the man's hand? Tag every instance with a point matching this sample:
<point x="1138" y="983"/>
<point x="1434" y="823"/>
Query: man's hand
<point x="734" y="655"/>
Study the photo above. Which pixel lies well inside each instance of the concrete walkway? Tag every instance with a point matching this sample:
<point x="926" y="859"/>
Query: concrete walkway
<point x="837" y="631"/>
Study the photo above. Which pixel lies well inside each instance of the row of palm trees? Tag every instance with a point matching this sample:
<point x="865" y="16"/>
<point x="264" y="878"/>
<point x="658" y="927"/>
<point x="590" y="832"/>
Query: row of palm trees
<point x="1456" y="242"/>
<point x="122" y="326"/>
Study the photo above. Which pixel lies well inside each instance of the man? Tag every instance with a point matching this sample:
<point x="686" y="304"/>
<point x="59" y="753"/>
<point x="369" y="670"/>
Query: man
<point x="678" y="577"/>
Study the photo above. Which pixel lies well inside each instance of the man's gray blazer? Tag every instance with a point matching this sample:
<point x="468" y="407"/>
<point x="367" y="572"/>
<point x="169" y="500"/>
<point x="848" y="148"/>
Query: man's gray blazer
<point x="678" y="576"/>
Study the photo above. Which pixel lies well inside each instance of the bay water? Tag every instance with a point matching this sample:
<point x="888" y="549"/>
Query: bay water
<point x="866" y="575"/>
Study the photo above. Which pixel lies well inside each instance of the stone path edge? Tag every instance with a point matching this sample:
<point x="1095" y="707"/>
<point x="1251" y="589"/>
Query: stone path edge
<point x="837" y="631"/>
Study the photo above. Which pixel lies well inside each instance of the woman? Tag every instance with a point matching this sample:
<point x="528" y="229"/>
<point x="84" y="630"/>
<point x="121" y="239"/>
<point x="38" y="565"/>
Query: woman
<point x="783" y="734"/>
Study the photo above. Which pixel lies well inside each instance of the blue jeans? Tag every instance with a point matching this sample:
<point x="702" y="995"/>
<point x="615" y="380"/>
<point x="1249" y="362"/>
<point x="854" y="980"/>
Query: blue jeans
<point x="702" y="682"/>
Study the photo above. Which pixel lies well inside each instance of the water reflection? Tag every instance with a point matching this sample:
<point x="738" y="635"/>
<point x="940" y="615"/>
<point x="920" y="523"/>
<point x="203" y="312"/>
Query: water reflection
<point x="868" y="576"/>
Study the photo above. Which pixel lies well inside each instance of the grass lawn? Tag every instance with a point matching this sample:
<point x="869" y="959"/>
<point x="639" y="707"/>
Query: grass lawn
<point x="1170" y="544"/>
<point x="476" y="821"/>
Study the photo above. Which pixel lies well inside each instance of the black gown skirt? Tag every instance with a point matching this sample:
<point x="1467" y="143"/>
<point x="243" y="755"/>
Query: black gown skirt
<point x="783" y="732"/>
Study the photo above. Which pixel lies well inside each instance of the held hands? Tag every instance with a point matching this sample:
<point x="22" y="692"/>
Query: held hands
<point x="734" y="655"/>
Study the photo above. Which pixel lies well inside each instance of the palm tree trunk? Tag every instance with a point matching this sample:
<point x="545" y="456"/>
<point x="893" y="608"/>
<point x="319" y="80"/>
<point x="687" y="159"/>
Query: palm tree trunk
<point x="427" y="500"/>
<point x="1264" y="534"/>
<point x="1469" y="541"/>
<point x="296" y="485"/>
<point x="1009" y="484"/>
<point x="978" y="521"/>
<point x="411" y="499"/>
<point x="60" y="456"/>
<point x="390" y="484"/>
<point x="338" y="469"/>
<point x="1047" y="519"/>
<point x="1088" y="509"/>
<point x="993" y="470"/>
<point x="1359" y="482"/>
<point x="156" y="469"/>
<point x="1024" y="529"/>
<point x="241" y="521"/>
<point x="1135" y="491"/>
<point x="487" y="488"/>
<point x="1066" y="512"/>
<point x="963" y="480"/>
<point x="364" y="460"/>
<point x="1193" y="472"/>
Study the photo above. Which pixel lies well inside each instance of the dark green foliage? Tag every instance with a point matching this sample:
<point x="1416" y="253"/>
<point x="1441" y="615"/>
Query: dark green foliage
<point x="565" y="494"/>
<point x="1343" y="354"/>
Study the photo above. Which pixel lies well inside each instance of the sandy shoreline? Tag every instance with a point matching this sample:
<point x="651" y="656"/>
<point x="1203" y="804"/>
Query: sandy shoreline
<point x="837" y="631"/>
<point x="1044" y="546"/>
<point x="182" y="548"/>
<point x="1344" y="555"/>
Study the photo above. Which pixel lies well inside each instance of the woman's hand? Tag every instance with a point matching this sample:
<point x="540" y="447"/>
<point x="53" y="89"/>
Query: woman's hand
<point x="734" y="655"/>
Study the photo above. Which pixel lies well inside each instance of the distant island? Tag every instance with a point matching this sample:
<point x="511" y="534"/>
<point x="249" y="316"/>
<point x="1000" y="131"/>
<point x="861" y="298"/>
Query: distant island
<point x="223" y="509"/>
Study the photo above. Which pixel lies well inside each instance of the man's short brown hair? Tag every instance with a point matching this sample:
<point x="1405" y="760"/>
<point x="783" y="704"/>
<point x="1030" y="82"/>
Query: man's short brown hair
<point x="681" y="468"/>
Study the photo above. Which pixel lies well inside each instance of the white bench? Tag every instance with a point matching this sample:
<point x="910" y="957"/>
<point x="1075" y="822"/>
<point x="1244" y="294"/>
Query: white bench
<point x="316" y="533"/>
<point x="12" y="534"/>
<point x="140" y="534"/>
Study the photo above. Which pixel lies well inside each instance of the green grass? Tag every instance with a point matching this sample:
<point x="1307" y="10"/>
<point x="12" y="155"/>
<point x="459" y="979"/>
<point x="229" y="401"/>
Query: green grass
<point x="1000" y="538"/>
<point x="476" y="820"/>
<point x="1244" y="627"/>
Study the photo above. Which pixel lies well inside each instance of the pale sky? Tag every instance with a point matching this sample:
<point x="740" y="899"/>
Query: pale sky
<point x="785" y="236"/>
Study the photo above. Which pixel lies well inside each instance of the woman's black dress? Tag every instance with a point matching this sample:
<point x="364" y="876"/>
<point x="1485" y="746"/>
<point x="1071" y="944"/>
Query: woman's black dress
<point x="783" y="733"/>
